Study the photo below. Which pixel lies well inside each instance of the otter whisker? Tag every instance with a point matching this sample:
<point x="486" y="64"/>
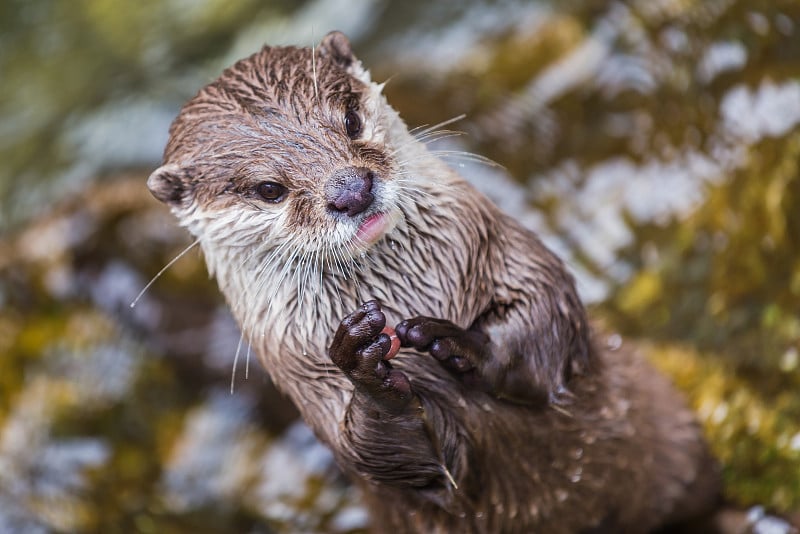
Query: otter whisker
<point x="466" y="156"/>
<point x="306" y="262"/>
<point x="314" y="70"/>
<point x="423" y="156"/>
<point x="277" y="253"/>
<point x="426" y="139"/>
<point x="312" y="274"/>
<point x="303" y="277"/>
<point x="235" y="361"/>
<point x="424" y="128"/>
<point x="410" y="192"/>
<point x="414" y="196"/>
<point x="339" y="263"/>
<point x="319" y="274"/>
<point x="266" y="277"/>
<point x="348" y="265"/>
<point x="290" y="262"/>
<point x="335" y="285"/>
<point x="373" y="262"/>
<point x="296" y="277"/>
<point x="247" y="362"/>
<point x="249" y="257"/>
<point x="449" y="476"/>
<point x="438" y="135"/>
<point x="163" y="270"/>
<point x="268" y="266"/>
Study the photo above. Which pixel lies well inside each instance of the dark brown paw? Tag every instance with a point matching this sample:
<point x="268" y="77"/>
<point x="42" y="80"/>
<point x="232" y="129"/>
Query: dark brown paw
<point x="362" y="351"/>
<point x="459" y="350"/>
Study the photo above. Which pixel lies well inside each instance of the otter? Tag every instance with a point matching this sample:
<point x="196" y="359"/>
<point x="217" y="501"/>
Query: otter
<point x="324" y="220"/>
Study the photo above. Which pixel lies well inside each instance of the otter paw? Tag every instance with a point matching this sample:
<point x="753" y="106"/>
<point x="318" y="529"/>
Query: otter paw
<point x="361" y="349"/>
<point x="459" y="350"/>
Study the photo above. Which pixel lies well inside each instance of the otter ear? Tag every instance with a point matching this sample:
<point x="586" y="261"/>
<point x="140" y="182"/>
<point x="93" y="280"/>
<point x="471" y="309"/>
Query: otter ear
<point x="336" y="46"/>
<point x="169" y="184"/>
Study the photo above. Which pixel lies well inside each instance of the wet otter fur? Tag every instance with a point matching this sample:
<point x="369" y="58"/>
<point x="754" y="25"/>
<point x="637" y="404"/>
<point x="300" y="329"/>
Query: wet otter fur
<point x="323" y="220"/>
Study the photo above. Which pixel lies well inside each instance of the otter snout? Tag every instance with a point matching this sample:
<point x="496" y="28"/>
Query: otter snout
<point x="349" y="191"/>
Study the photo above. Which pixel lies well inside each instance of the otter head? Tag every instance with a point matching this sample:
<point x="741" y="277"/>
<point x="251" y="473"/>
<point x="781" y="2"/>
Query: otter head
<point x="285" y="156"/>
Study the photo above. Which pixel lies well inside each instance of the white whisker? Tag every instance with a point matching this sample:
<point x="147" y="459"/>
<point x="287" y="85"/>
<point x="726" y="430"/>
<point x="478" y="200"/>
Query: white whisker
<point x="167" y="266"/>
<point x="235" y="361"/>
<point x="466" y="156"/>
<point x="436" y="126"/>
<point x="247" y="362"/>
<point x="314" y="66"/>
<point x="438" y="135"/>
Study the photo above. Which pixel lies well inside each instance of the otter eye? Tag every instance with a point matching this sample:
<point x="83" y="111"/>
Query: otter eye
<point x="352" y="124"/>
<point x="271" y="191"/>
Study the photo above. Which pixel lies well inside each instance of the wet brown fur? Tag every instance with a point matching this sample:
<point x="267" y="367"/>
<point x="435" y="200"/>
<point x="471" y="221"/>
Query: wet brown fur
<point x="573" y="437"/>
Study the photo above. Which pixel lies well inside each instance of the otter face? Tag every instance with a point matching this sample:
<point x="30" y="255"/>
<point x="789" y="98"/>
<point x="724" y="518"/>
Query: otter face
<point x="286" y="150"/>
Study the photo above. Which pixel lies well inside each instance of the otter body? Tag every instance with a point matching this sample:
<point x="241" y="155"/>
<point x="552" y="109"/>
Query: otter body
<point x="324" y="220"/>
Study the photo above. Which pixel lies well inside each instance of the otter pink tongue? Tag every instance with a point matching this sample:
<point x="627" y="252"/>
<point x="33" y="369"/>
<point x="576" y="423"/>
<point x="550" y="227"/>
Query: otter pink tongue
<point x="372" y="228"/>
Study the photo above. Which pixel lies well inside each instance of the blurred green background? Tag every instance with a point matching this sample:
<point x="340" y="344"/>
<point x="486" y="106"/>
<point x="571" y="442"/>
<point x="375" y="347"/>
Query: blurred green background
<point x="653" y="144"/>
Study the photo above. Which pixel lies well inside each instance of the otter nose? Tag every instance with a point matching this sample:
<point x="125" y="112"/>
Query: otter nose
<point x="349" y="190"/>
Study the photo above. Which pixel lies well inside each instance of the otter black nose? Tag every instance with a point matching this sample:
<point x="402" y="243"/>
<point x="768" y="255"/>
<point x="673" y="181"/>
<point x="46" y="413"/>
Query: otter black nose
<point x="349" y="190"/>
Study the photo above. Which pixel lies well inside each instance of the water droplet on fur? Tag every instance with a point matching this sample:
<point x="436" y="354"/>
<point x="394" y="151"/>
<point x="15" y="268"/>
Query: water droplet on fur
<point x="575" y="474"/>
<point x="576" y="453"/>
<point x="363" y="255"/>
<point x="561" y="495"/>
<point x="393" y="244"/>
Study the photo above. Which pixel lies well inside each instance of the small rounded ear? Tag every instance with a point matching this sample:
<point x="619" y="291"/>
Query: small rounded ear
<point x="168" y="183"/>
<point x="336" y="46"/>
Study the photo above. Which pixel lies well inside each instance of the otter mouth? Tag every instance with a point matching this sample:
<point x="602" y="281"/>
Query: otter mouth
<point x="372" y="229"/>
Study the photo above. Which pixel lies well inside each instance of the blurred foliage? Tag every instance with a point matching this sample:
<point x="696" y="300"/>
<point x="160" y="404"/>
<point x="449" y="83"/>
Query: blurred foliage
<point x="728" y="275"/>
